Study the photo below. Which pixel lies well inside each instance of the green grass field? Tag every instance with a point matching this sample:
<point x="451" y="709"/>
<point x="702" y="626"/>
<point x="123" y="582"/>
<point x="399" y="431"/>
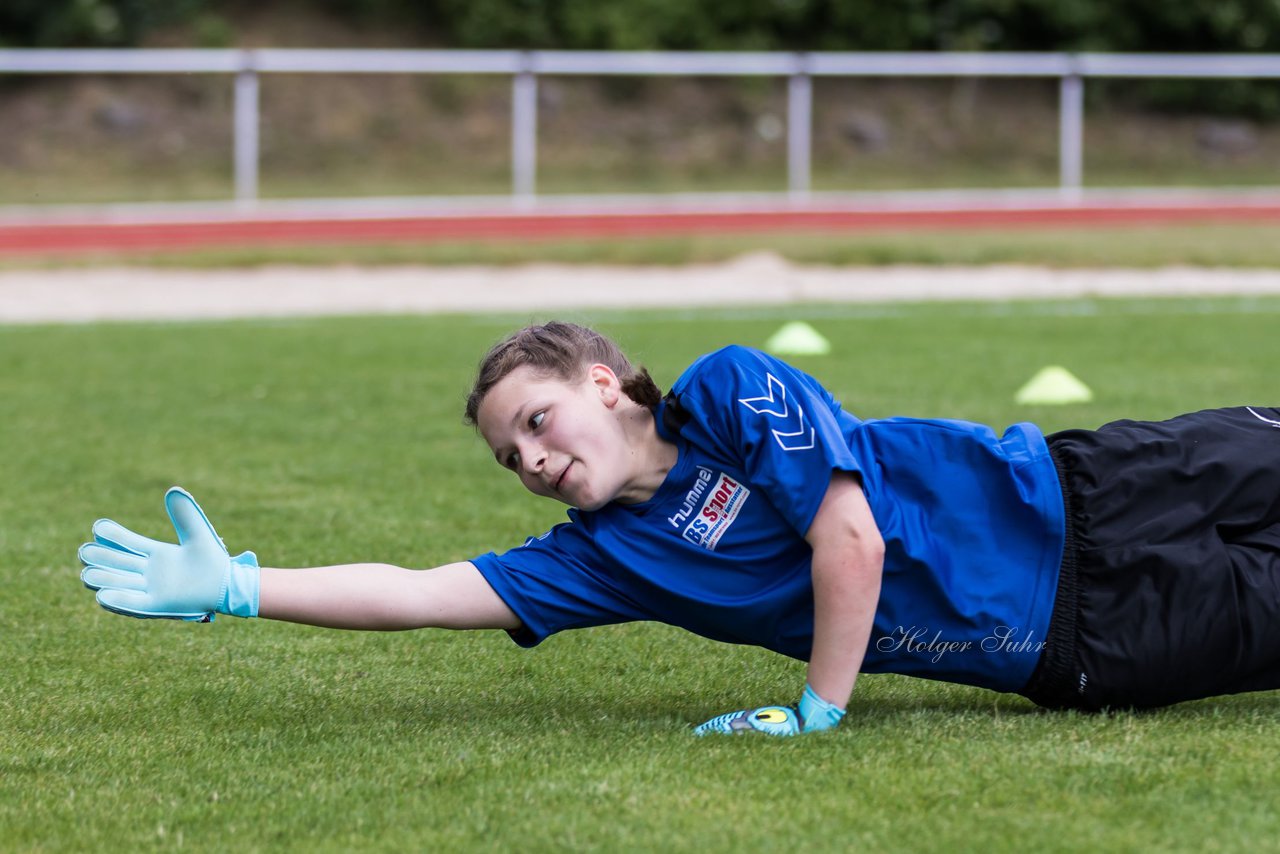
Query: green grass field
<point x="323" y="441"/>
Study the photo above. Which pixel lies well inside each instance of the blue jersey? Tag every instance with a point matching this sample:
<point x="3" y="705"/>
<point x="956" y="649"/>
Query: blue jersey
<point x="972" y="524"/>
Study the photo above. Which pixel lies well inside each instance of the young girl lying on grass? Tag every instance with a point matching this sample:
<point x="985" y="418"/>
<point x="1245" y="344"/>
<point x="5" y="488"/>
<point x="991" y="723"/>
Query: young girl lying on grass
<point x="1133" y="566"/>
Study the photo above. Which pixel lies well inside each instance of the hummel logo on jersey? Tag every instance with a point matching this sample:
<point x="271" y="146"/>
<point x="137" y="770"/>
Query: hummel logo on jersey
<point x="723" y="503"/>
<point x="774" y="404"/>
<point x="691" y="499"/>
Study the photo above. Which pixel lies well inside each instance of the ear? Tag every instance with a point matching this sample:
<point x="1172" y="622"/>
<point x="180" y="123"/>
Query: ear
<point x="605" y="382"/>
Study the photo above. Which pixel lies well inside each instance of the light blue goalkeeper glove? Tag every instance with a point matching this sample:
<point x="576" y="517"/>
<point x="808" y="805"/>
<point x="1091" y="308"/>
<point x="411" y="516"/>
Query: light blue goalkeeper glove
<point x="770" y="720"/>
<point x="192" y="580"/>
<point x="813" y="714"/>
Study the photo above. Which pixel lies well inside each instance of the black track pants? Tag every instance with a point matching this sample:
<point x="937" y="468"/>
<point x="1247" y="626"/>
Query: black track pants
<point x="1170" y="588"/>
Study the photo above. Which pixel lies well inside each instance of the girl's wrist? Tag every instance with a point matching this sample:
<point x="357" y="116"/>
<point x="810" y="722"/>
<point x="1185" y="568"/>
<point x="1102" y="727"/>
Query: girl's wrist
<point x="240" y="599"/>
<point x="816" y="713"/>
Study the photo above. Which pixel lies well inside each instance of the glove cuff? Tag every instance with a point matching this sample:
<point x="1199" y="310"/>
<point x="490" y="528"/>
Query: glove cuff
<point x="816" y="713"/>
<point x="240" y="599"/>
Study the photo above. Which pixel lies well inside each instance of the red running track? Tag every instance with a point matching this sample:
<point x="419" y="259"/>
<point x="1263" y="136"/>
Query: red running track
<point x="71" y="238"/>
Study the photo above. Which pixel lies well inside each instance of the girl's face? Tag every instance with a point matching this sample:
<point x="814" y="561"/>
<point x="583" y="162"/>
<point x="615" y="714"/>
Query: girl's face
<point x="563" y="439"/>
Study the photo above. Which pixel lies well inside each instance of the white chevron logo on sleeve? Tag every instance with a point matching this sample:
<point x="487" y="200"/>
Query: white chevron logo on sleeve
<point x="774" y="405"/>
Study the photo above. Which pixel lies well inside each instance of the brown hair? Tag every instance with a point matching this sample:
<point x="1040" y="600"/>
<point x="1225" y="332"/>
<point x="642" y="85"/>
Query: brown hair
<point x="561" y="350"/>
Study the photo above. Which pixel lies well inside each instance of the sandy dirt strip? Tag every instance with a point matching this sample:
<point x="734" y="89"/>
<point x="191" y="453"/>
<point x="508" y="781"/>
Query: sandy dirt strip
<point x="88" y="295"/>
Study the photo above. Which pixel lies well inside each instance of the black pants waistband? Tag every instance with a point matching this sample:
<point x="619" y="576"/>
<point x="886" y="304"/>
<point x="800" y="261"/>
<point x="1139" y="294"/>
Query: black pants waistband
<point x="1052" y="683"/>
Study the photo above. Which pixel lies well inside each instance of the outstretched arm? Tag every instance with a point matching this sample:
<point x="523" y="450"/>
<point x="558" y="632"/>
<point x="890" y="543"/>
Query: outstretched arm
<point x="196" y="578"/>
<point x="384" y="597"/>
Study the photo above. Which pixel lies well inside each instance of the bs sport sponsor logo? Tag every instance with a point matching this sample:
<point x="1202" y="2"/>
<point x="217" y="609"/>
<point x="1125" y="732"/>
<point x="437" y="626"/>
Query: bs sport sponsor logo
<point x="722" y="499"/>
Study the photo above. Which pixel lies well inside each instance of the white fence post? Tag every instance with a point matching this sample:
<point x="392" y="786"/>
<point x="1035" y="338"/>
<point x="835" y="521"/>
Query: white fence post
<point x="1071" y="133"/>
<point x="524" y="131"/>
<point x="799" y="130"/>
<point x="246" y="132"/>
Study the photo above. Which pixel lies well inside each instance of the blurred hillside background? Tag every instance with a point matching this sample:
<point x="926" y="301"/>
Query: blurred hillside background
<point x="149" y="138"/>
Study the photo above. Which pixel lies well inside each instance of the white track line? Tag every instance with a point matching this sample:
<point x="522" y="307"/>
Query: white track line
<point x="757" y="280"/>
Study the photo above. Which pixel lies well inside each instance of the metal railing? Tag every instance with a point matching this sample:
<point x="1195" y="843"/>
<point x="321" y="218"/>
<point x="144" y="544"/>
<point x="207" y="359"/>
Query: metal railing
<point x="525" y="67"/>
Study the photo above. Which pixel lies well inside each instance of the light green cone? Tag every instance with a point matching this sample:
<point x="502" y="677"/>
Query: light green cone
<point x="798" y="338"/>
<point x="1054" y="385"/>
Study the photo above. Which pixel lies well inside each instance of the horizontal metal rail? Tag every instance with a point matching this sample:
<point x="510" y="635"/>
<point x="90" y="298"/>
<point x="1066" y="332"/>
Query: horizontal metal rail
<point x="524" y="67"/>
<point x="643" y="63"/>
